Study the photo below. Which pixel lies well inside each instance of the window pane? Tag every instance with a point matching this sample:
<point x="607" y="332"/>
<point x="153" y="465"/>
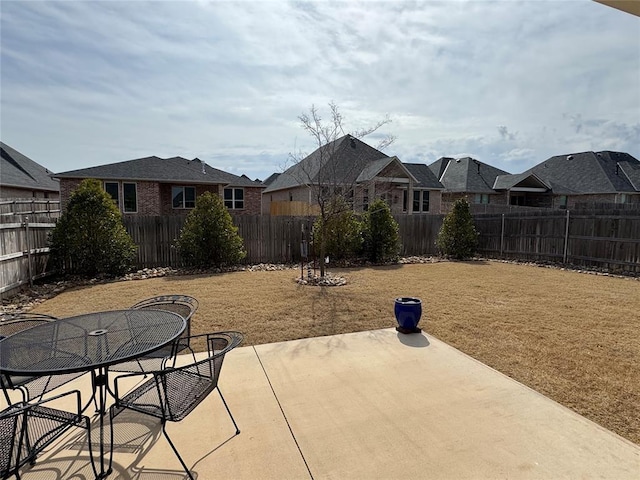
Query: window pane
<point x="228" y="203"/>
<point x="177" y="194"/>
<point x="189" y="197"/>
<point x="404" y="200"/>
<point x="228" y="194"/>
<point x="129" y="194"/>
<point x="239" y="204"/>
<point x="416" y="200"/>
<point x="239" y="194"/>
<point x="425" y="201"/>
<point x="112" y="189"/>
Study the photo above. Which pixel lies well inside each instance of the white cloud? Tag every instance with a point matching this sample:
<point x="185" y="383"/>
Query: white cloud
<point x="509" y="83"/>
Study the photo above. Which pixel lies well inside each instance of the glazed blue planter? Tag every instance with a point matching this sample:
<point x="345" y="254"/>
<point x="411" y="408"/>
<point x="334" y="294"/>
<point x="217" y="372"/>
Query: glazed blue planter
<point x="408" y="311"/>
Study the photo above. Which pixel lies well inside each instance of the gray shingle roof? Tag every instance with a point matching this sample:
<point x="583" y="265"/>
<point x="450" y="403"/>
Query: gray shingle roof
<point x="155" y="169"/>
<point x="526" y="179"/>
<point x="18" y="170"/>
<point x="465" y="174"/>
<point x="340" y="161"/>
<point x="424" y="175"/>
<point x="589" y="172"/>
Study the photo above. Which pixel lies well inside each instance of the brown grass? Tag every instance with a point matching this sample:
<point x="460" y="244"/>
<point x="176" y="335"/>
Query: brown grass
<point x="572" y="337"/>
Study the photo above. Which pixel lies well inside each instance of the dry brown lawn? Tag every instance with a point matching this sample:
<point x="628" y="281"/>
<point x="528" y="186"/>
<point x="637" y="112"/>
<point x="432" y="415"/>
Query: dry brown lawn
<point x="572" y="337"/>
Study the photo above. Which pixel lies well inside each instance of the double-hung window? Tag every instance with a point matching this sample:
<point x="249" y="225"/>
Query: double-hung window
<point x="183" y="197"/>
<point x="419" y="203"/>
<point x="112" y="189"/>
<point x="481" y="198"/>
<point x="130" y="197"/>
<point x="234" y="198"/>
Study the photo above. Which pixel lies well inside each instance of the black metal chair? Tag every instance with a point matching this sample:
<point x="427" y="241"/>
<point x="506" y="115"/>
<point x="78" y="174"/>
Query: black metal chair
<point x="183" y="305"/>
<point x="30" y="387"/>
<point x="174" y="392"/>
<point x="28" y="428"/>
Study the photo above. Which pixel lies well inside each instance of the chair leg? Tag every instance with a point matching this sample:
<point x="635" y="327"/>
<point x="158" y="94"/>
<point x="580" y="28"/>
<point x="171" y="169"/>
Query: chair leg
<point x="175" y="450"/>
<point x="228" y="411"/>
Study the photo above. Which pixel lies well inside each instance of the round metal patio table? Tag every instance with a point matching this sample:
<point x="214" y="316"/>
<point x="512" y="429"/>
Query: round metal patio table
<point x="90" y="342"/>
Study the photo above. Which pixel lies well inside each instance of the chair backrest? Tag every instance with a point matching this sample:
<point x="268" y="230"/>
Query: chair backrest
<point x="17" y="322"/>
<point x="183" y="305"/>
<point x="198" y="378"/>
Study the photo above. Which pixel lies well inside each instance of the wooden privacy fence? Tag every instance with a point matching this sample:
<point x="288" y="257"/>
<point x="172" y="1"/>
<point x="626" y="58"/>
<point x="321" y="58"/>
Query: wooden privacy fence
<point x="23" y="251"/>
<point x="604" y="239"/>
<point x="607" y="239"/>
<point x="266" y="239"/>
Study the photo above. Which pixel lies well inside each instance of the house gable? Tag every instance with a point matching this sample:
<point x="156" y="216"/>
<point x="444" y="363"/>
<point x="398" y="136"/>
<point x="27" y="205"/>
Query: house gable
<point x="338" y="162"/>
<point x="465" y="175"/>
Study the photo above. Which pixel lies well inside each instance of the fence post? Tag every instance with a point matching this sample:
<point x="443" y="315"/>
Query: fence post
<point x="502" y="236"/>
<point x="26" y="234"/>
<point x="566" y="239"/>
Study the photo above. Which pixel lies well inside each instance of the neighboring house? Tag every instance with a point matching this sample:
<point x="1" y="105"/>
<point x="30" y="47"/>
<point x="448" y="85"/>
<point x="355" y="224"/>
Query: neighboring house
<point x="576" y="179"/>
<point x="21" y="177"/>
<point x="157" y="186"/>
<point x="470" y="179"/>
<point x="351" y="168"/>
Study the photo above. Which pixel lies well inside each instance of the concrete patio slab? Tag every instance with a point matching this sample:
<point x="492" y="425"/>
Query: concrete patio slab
<point x="367" y="405"/>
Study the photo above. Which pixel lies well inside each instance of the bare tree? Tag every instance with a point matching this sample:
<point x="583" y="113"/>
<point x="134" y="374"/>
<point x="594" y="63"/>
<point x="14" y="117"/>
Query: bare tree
<point x="331" y="171"/>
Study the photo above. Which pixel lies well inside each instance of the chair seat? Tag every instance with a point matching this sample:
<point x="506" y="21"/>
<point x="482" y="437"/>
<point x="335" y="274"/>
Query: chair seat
<point x="184" y="391"/>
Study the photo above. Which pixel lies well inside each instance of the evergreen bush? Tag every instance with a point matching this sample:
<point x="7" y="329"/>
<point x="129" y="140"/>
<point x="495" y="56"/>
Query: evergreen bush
<point x="381" y="235"/>
<point x="89" y="237"/>
<point x="458" y="237"/>
<point x="209" y="237"/>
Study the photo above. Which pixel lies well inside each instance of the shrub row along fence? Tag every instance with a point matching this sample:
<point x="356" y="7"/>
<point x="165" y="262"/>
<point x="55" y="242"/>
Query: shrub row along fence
<point x="607" y="239"/>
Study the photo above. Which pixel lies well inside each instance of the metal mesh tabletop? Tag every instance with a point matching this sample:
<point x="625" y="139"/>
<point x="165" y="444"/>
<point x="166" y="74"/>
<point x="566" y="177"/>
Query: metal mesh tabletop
<point x="88" y="341"/>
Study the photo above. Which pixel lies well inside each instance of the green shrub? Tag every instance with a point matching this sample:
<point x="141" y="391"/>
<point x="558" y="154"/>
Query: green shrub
<point x="381" y="237"/>
<point x="343" y="232"/>
<point x="458" y="237"/>
<point x="209" y="237"/>
<point x="89" y="238"/>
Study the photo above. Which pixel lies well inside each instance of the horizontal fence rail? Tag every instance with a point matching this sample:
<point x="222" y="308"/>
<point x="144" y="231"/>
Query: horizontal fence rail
<point x="30" y="206"/>
<point x="606" y="239"/>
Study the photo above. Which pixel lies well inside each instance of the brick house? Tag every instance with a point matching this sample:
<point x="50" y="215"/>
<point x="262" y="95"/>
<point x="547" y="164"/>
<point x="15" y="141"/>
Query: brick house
<point x="575" y="179"/>
<point x="360" y="173"/>
<point x="169" y="186"/>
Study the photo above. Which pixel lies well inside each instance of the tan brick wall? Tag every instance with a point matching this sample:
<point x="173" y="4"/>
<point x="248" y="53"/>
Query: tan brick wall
<point x="148" y="196"/>
<point x="67" y="186"/>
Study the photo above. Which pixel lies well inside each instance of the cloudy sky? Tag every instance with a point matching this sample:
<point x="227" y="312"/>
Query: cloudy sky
<point x="510" y="83"/>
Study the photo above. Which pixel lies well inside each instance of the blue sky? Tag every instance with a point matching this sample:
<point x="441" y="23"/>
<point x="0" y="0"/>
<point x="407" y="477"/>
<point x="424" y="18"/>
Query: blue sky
<point x="510" y="83"/>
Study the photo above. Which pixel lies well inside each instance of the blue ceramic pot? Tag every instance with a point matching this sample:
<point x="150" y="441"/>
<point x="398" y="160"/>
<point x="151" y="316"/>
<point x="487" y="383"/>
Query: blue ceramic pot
<point x="408" y="311"/>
